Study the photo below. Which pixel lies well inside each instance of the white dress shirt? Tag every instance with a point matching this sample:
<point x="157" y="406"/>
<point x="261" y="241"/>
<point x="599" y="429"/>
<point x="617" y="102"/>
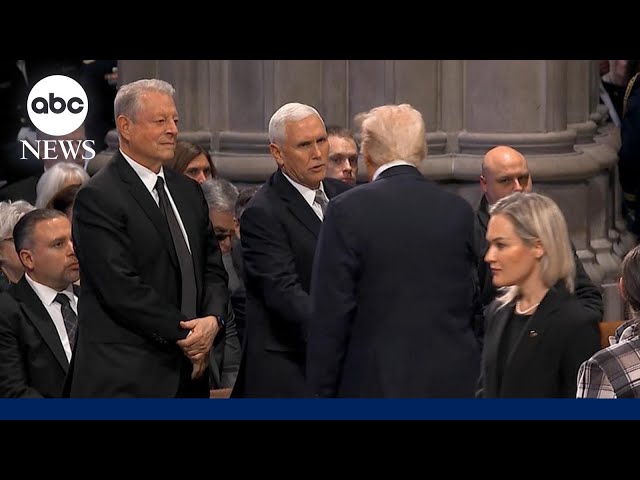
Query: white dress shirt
<point x="388" y="165"/>
<point x="308" y="194"/>
<point x="149" y="179"/>
<point x="47" y="296"/>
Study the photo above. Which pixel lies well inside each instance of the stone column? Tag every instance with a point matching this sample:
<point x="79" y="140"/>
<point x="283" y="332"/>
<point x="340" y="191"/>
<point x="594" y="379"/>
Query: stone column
<point x="548" y="109"/>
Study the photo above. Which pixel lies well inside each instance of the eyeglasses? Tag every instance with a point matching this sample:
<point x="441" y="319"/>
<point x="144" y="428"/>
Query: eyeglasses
<point x="221" y="236"/>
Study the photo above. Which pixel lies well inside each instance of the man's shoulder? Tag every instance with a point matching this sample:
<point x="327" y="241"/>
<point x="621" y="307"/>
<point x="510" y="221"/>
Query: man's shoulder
<point x="335" y="187"/>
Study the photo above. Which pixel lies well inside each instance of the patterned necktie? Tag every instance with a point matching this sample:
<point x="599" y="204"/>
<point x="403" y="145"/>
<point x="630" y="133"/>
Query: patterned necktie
<point x="188" y="292"/>
<point x="69" y="316"/>
<point x="321" y="199"/>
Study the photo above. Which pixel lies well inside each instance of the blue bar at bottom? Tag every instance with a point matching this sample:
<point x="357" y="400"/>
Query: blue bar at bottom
<point x="318" y="409"/>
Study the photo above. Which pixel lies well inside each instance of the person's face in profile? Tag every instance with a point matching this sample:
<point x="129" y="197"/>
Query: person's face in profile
<point x="51" y="259"/>
<point x="199" y="169"/>
<point x="153" y="131"/>
<point x="304" y="154"/>
<point x="343" y="159"/>
<point x="512" y="261"/>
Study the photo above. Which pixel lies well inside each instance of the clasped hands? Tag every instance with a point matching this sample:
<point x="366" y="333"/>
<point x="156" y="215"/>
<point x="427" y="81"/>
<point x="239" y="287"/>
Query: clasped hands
<point x="199" y="341"/>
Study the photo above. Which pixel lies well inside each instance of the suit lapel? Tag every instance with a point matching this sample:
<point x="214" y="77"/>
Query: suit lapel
<point x="34" y="311"/>
<point x="492" y="344"/>
<point x="141" y="195"/>
<point x="296" y="204"/>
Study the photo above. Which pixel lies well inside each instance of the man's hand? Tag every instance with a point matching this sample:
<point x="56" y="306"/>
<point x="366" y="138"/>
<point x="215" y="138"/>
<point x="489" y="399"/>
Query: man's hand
<point x="199" y="366"/>
<point x="200" y="339"/>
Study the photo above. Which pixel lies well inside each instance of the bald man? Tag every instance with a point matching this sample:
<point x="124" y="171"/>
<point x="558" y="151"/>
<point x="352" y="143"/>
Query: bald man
<point x="504" y="171"/>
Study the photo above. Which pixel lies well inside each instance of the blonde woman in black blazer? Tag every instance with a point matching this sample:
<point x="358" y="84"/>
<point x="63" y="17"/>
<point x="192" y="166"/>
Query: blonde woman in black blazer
<point x="537" y="334"/>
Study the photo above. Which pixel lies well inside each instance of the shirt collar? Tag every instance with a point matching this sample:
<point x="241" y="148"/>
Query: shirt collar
<point x="388" y="165"/>
<point x="307" y="193"/>
<point x="148" y="177"/>
<point x="46" y="294"/>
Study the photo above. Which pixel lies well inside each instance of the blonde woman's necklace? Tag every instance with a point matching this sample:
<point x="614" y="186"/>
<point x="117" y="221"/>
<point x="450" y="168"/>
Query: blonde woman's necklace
<point x="524" y="312"/>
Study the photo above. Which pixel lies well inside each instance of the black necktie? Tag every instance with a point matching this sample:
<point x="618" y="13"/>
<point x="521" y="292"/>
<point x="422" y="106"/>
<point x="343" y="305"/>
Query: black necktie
<point x="321" y="199"/>
<point x="69" y="316"/>
<point x="188" y="294"/>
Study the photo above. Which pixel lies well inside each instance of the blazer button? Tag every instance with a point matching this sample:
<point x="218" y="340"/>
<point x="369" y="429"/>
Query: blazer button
<point x="533" y="333"/>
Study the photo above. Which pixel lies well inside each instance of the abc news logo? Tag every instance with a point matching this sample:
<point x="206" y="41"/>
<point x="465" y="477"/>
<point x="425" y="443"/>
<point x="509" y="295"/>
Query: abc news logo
<point x="57" y="106"/>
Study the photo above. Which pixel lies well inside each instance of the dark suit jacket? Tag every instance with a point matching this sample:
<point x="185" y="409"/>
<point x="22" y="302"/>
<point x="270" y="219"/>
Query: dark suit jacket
<point x="129" y="313"/>
<point x="279" y="231"/>
<point x="33" y="360"/>
<point x="588" y="294"/>
<point x="392" y="293"/>
<point x="558" y="337"/>
<point x="224" y="358"/>
<point x="24" y="189"/>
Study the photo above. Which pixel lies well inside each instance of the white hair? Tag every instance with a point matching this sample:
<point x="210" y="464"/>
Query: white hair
<point x="55" y="179"/>
<point x="290" y="112"/>
<point x="10" y="213"/>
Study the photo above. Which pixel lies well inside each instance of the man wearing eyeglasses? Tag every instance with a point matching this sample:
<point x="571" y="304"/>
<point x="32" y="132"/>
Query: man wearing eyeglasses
<point x="504" y="171"/>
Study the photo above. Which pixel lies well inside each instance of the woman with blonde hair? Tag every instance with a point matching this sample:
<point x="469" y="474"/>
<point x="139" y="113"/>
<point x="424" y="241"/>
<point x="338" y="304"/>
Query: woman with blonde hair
<point x="537" y="333"/>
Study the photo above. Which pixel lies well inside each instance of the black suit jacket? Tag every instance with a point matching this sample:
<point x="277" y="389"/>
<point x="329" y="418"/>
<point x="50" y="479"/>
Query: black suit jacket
<point x="279" y="231"/>
<point x="129" y="313"/>
<point x="24" y="189"/>
<point x="558" y="337"/>
<point x="33" y="360"/>
<point x="392" y="293"/>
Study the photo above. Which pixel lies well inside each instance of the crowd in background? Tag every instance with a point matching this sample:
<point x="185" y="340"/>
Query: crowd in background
<point x="154" y="276"/>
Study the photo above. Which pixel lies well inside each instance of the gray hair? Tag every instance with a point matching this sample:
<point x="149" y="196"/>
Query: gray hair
<point x="220" y="194"/>
<point x="55" y="179"/>
<point x="537" y="217"/>
<point x="290" y="112"/>
<point x="127" y="101"/>
<point x="10" y="213"/>
<point x="244" y="196"/>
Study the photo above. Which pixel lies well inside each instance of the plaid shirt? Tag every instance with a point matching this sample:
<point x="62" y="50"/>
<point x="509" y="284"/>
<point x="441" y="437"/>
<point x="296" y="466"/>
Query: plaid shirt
<point x="613" y="372"/>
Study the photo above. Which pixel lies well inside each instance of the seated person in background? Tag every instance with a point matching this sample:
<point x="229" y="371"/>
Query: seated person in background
<point x="11" y="269"/>
<point x="63" y="200"/>
<point x="193" y="161"/>
<point x="38" y="315"/>
<point x="614" y="372"/>
<point x="225" y="358"/>
<point x="56" y="178"/>
<point x="25" y="189"/>
<point x="239" y="295"/>
<point x="343" y="154"/>
<point x="537" y="333"/>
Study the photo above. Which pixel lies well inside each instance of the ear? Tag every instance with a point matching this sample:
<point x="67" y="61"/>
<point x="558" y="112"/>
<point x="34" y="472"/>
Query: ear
<point x="483" y="183"/>
<point x="26" y="258"/>
<point x="276" y="153"/>
<point x="538" y="249"/>
<point x="124" y="126"/>
<point x="621" y="288"/>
